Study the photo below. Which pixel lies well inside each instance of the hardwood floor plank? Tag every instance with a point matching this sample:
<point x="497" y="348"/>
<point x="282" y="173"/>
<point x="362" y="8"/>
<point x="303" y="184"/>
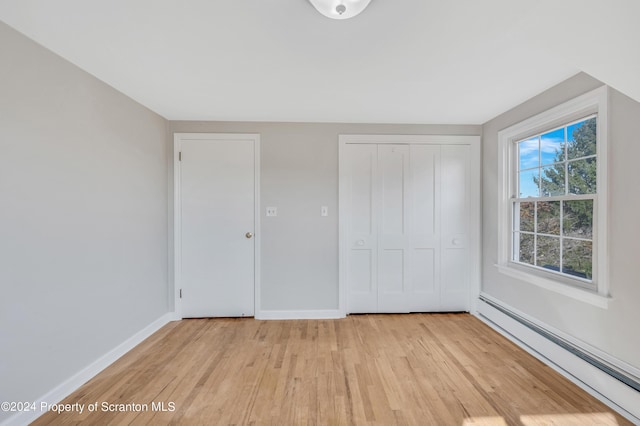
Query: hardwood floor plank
<point x="418" y="369"/>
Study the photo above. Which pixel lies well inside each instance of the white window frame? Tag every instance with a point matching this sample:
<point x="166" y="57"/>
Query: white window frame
<point x="594" y="102"/>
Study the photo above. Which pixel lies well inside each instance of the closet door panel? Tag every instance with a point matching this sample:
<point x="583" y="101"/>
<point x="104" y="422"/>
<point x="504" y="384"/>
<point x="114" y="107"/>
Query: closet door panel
<point x="425" y="226"/>
<point x="362" y="254"/>
<point x="424" y="280"/>
<point x="394" y="230"/>
<point x="455" y="207"/>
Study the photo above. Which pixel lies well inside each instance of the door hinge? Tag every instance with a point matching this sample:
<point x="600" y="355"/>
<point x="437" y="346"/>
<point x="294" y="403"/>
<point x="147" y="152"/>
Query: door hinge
<point x="180" y="293"/>
<point x="180" y="156"/>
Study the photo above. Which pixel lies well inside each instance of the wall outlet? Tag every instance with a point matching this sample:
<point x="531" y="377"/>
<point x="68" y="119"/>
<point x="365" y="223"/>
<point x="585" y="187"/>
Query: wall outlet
<point x="272" y="211"/>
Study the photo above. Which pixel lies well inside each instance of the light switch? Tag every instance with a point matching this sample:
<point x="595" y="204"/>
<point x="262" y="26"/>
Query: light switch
<point x="272" y="211"/>
<point x="324" y="211"/>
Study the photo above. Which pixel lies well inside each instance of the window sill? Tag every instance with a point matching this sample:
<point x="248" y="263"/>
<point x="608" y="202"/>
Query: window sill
<point x="579" y="294"/>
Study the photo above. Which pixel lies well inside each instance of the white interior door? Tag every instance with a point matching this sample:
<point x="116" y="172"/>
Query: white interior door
<point x="217" y="219"/>
<point x="361" y="168"/>
<point x="407" y="227"/>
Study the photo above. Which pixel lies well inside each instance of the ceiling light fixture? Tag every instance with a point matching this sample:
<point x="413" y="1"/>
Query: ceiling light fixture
<point x="340" y="9"/>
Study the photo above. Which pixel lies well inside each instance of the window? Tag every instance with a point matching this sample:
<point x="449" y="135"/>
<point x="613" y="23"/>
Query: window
<point x="557" y="189"/>
<point x="553" y="206"/>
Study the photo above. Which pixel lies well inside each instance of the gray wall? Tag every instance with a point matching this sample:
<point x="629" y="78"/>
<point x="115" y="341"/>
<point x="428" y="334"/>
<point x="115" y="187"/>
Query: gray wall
<point x="84" y="173"/>
<point x="613" y="330"/>
<point x="83" y="222"/>
<point x="299" y="173"/>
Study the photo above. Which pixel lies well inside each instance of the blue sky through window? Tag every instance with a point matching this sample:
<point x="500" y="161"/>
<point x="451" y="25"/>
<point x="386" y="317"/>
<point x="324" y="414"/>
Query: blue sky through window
<point x="528" y="187"/>
<point x="529" y="153"/>
<point x="552" y="144"/>
<point x="536" y="152"/>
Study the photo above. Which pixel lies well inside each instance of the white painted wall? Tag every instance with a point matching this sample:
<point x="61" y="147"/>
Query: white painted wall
<point x="83" y="219"/>
<point x="611" y="330"/>
<point x="299" y="173"/>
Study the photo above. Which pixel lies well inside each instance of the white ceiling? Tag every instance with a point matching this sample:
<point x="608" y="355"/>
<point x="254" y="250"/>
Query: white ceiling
<point x="400" y="61"/>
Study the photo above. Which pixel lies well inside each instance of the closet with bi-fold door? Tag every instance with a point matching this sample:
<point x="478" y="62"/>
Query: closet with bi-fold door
<point x="408" y="223"/>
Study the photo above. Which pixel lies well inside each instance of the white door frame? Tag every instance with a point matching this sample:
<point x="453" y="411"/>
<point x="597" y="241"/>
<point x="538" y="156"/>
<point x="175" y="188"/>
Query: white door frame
<point x="177" y="215"/>
<point x="476" y="222"/>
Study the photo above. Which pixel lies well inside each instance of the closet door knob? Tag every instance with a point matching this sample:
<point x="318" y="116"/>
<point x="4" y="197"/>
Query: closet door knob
<point x="248" y="235"/>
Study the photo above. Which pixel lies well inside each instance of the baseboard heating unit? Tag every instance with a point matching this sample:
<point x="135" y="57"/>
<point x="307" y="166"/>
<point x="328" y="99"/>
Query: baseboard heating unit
<point x="612" y="381"/>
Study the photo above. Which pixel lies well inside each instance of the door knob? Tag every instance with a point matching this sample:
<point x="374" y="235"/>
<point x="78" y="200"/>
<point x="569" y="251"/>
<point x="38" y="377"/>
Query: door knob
<point x="248" y="235"/>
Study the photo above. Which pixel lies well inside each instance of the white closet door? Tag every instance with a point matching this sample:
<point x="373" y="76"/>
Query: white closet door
<point x="408" y="212"/>
<point x="217" y="188"/>
<point x="362" y="254"/>
<point x="425" y="235"/>
<point x="394" y="275"/>
<point x="455" y="227"/>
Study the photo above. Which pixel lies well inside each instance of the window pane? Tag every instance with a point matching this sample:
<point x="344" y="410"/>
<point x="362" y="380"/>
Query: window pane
<point x="525" y="247"/>
<point x="552" y="147"/>
<point x="581" y="139"/>
<point x="577" y="219"/>
<point x="529" y="153"/>
<point x="527" y="217"/>
<point x="577" y="258"/>
<point x="582" y="176"/>
<point x="548" y="217"/>
<point x="529" y="183"/>
<point x="548" y="253"/>
<point x="552" y="181"/>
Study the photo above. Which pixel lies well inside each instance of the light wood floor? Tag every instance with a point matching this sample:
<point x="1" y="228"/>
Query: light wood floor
<point x="419" y="369"/>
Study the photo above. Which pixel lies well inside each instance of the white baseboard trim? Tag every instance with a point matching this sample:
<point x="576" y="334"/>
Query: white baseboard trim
<point x="612" y="392"/>
<point x="70" y="385"/>
<point x="292" y="315"/>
